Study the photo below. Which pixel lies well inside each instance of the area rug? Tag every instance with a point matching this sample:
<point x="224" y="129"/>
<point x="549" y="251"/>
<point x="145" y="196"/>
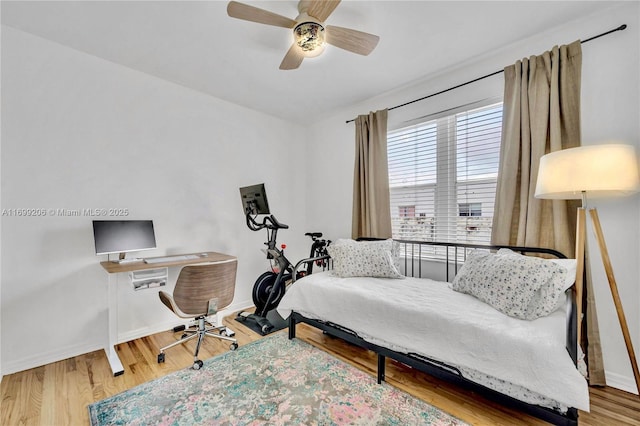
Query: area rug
<point x="272" y="381"/>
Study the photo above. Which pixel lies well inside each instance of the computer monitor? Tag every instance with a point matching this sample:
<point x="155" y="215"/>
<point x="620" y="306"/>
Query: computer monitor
<point x="254" y="199"/>
<point x="123" y="236"/>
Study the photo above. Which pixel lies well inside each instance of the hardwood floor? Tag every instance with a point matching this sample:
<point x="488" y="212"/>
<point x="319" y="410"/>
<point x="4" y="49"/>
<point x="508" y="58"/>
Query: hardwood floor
<point x="58" y="393"/>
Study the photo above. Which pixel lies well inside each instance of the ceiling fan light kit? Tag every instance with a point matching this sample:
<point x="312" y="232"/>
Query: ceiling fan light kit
<point x="309" y="31"/>
<point x="309" y="37"/>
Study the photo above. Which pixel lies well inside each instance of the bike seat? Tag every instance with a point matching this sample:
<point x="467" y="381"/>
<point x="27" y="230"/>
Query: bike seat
<point x="313" y="234"/>
<point x="278" y="224"/>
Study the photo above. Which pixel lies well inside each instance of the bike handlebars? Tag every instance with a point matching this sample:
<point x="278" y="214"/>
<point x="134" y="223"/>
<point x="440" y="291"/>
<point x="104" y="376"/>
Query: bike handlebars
<point x="276" y="224"/>
<point x="269" y="222"/>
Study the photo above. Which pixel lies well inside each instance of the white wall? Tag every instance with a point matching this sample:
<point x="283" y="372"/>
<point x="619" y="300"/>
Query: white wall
<point x="610" y="110"/>
<point x="80" y="132"/>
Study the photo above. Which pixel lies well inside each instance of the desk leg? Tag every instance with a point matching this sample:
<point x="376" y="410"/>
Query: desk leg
<point x="110" y="350"/>
<point x="114" y="361"/>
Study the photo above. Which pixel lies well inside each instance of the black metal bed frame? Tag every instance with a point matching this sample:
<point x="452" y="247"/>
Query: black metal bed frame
<point x="439" y="369"/>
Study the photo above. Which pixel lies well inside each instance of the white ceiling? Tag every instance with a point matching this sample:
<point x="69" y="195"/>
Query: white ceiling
<point x="195" y="44"/>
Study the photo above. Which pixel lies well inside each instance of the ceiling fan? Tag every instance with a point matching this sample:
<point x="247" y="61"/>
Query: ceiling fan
<point x="309" y="31"/>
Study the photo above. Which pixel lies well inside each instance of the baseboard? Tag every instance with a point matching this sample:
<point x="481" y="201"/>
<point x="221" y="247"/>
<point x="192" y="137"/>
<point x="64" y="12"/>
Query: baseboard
<point x="44" y="358"/>
<point x="235" y="307"/>
<point x="147" y="331"/>
<point x="618" y="381"/>
<point x="168" y="325"/>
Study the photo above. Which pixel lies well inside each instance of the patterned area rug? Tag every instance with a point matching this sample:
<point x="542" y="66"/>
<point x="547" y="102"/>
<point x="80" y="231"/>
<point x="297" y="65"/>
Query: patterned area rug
<point x="271" y="381"/>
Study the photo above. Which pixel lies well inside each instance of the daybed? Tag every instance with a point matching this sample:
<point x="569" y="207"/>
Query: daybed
<point x="528" y="364"/>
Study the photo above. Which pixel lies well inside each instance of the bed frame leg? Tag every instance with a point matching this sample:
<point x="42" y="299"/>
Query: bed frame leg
<point x="292" y="327"/>
<point x="381" y="368"/>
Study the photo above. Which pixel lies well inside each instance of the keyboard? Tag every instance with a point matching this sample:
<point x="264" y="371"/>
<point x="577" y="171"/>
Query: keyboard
<point x="125" y="261"/>
<point x="177" y="258"/>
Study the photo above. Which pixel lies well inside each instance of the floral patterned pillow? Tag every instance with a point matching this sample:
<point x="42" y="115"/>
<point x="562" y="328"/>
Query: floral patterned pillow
<point x="365" y="258"/>
<point x="569" y="264"/>
<point x="519" y="286"/>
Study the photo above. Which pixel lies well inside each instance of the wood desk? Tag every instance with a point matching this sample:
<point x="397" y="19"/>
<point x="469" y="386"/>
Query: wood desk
<point x="113" y="268"/>
<point x="211" y="256"/>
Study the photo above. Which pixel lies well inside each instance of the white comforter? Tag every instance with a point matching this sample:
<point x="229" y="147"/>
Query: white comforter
<point x="418" y="315"/>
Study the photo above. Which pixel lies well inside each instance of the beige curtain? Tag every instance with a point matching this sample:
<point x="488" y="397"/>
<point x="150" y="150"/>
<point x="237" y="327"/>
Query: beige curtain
<point x="371" y="210"/>
<point x="541" y="115"/>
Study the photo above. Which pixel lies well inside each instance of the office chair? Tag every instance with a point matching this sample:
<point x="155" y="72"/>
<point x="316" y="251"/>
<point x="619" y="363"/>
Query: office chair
<point x="196" y="286"/>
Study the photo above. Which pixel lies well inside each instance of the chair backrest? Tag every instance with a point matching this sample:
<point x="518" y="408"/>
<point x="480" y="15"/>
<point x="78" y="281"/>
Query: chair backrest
<point x="197" y="284"/>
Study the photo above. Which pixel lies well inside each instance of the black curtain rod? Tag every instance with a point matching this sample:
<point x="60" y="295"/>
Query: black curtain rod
<point x="620" y="28"/>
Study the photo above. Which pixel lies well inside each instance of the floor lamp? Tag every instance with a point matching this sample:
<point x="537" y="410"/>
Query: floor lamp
<point x="596" y="171"/>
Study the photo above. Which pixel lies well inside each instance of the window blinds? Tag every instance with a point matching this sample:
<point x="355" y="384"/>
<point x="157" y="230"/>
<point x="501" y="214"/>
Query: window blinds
<point x="442" y="176"/>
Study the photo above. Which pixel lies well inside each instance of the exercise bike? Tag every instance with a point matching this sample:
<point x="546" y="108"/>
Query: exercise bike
<point x="271" y="286"/>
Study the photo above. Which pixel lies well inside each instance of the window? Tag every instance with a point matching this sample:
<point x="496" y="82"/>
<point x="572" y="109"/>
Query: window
<point x="442" y="176"/>
<point x="470" y="209"/>
<point x="407" y="211"/>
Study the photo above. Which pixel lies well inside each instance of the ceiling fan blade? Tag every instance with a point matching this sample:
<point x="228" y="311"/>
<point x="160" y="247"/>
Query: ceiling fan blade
<point x="321" y="9"/>
<point x="351" y="40"/>
<point x="293" y="58"/>
<point x="255" y="14"/>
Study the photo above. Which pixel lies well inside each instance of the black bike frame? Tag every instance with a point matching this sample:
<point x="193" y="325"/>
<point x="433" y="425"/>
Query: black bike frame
<point x="284" y="266"/>
<point x="273" y="252"/>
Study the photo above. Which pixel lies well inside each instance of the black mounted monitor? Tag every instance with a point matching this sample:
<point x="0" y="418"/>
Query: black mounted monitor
<point x="254" y="199"/>
<point x="122" y="236"/>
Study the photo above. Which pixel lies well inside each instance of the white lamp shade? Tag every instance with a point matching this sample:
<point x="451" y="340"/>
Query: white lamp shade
<point x="609" y="170"/>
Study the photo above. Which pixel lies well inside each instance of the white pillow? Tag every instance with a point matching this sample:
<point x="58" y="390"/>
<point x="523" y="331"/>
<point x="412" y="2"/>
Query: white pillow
<point x="365" y="258"/>
<point x="522" y="287"/>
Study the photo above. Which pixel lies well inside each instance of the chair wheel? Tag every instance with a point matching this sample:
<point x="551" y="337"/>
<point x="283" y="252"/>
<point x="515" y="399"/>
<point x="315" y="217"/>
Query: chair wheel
<point x="197" y="365"/>
<point x="160" y="358"/>
<point x="233" y="346"/>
